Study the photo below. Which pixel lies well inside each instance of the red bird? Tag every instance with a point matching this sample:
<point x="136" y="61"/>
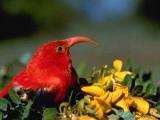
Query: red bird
<point x="50" y="69"/>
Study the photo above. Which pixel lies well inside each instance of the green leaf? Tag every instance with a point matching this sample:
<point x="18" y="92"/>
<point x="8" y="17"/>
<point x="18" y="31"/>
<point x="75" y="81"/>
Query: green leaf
<point x="138" y="82"/>
<point x="50" y="114"/>
<point x="128" y="81"/>
<point x="126" y="115"/>
<point x="81" y="69"/>
<point x="149" y="88"/>
<point x="81" y="104"/>
<point x="102" y="71"/>
<point x="4" y="104"/>
<point x="137" y="90"/>
<point x="1" y="116"/>
<point x="27" y="109"/>
<point x="90" y="110"/>
<point x="158" y="107"/>
<point x="14" y="97"/>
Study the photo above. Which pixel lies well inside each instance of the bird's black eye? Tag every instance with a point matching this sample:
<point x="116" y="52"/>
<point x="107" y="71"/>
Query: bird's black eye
<point x="59" y="49"/>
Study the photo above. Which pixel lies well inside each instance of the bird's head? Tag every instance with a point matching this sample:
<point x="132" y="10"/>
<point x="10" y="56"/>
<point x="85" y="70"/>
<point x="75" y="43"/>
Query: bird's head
<point x="57" y="52"/>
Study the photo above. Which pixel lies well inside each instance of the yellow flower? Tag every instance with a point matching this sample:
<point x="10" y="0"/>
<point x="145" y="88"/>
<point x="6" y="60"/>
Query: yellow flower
<point x="103" y="99"/>
<point x="117" y="64"/>
<point x="129" y="101"/>
<point x="101" y="107"/>
<point x="100" y="112"/>
<point x="140" y="104"/>
<point x="85" y="117"/>
<point x="119" y="75"/>
<point x="122" y="104"/>
<point x="106" y="81"/>
<point x="121" y="87"/>
<point x="113" y="97"/>
<point x="109" y="98"/>
<point x="117" y="95"/>
<point x="93" y="90"/>
<point x="106" y="107"/>
<point x="104" y="96"/>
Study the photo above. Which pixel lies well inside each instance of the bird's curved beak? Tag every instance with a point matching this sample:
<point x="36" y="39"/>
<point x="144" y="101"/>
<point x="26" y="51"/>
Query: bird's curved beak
<point x="78" y="39"/>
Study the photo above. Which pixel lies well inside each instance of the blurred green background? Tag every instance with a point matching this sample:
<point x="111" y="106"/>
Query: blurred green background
<point x="125" y="29"/>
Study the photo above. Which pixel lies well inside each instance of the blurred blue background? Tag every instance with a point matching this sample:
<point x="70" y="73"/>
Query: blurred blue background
<point x="125" y="29"/>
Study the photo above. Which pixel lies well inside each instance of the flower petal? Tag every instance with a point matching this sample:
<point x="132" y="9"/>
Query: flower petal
<point x="117" y="64"/>
<point x="109" y="98"/>
<point x="129" y="101"/>
<point x="92" y="103"/>
<point x="122" y="104"/>
<point x="123" y="88"/>
<point x="106" y="107"/>
<point x="104" y="96"/>
<point x="85" y="117"/>
<point x="93" y="90"/>
<point x="141" y="105"/>
<point x="119" y="76"/>
<point x="100" y="112"/>
<point x="107" y="80"/>
<point x="117" y="95"/>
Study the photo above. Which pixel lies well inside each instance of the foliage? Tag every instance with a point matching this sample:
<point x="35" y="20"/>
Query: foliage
<point x="107" y="93"/>
<point x="53" y="14"/>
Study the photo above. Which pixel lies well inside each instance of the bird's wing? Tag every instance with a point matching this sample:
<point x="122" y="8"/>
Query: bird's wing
<point x="25" y="81"/>
<point x="21" y="79"/>
<point x="28" y="82"/>
<point x="4" y="92"/>
<point x="13" y="84"/>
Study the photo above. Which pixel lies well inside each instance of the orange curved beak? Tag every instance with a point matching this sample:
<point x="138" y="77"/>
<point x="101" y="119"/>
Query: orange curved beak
<point x="78" y="39"/>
